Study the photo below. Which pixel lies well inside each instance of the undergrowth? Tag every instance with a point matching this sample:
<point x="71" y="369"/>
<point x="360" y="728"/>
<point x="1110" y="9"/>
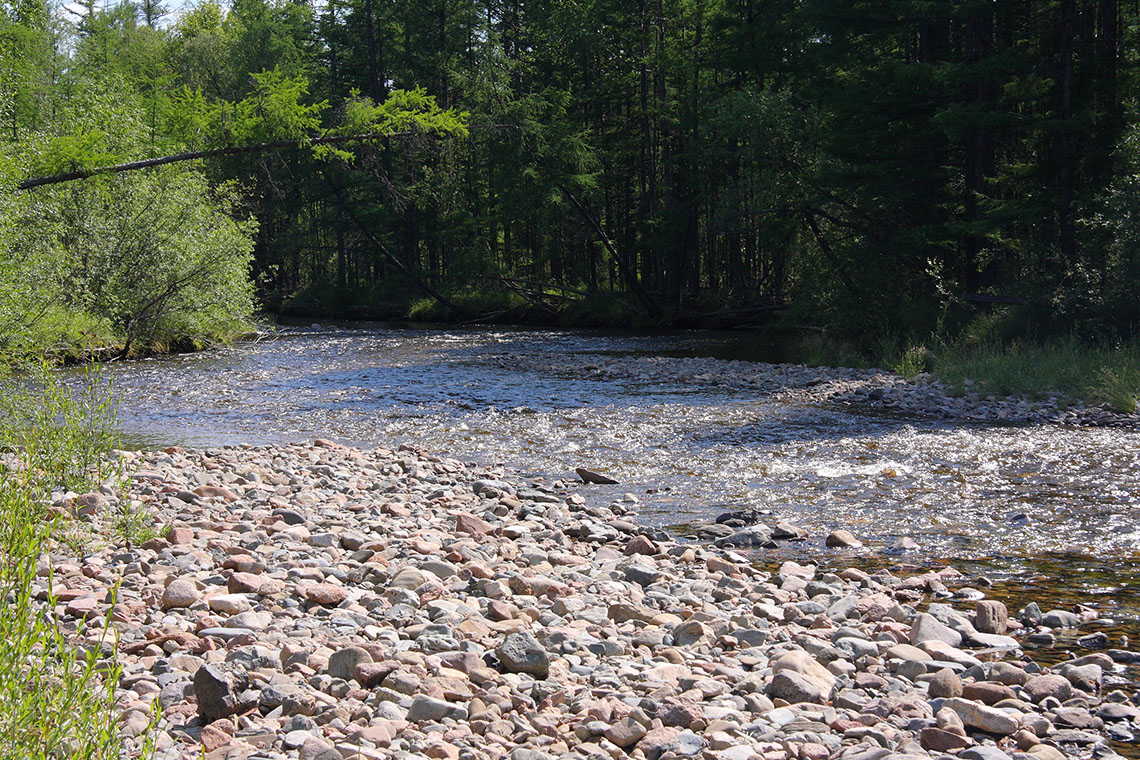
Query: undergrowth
<point x="57" y="682"/>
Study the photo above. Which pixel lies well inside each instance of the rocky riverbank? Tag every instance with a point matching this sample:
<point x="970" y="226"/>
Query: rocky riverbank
<point x="871" y="388"/>
<point x="321" y="602"/>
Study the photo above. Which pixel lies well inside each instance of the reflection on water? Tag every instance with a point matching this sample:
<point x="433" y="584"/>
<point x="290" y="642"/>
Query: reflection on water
<point x="687" y="448"/>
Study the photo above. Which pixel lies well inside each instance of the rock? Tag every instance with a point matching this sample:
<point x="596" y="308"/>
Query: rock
<point x="244" y="583"/>
<point x="1030" y="614"/>
<point x="901" y="545"/>
<point x="425" y="708"/>
<point x="589" y="476"/>
<point x="937" y="740"/>
<point x="640" y="545"/>
<point x="983" y="752"/>
<point x="945" y="683"/>
<point x="750" y="537"/>
<point x="1083" y="677"/>
<point x="1008" y="673"/>
<point x="987" y="693"/>
<point x="213" y="737"/>
<point x="210" y="491"/>
<point x="626" y="732"/>
<point x="315" y="748"/>
<point x="658" y="741"/>
<point x="795" y="688"/>
<point x="219" y="691"/>
<point x="179" y="593"/>
<point x="740" y="518"/>
<point x="180" y="536"/>
<point x="1060" y="619"/>
<point x="717" y="564"/>
<point x="409" y="578"/>
<point x="289" y="516"/>
<point x="799" y="678"/>
<point x="785" y="531"/>
<point x="642" y="575"/>
<point x="842" y="539"/>
<point x="927" y="628"/>
<point x="1098" y="640"/>
<point x="690" y="632"/>
<point x="1045" y="752"/>
<point x="907" y="653"/>
<point x="991" y="617"/>
<point x="521" y="653"/>
<point x="325" y="593"/>
<point x="472" y="525"/>
<point x="988" y="719"/>
<point x="344" y="662"/>
<point x="229" y="604"/>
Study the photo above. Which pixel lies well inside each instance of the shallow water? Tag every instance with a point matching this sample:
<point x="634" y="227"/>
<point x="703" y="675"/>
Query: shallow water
<point x="688" y="446"/>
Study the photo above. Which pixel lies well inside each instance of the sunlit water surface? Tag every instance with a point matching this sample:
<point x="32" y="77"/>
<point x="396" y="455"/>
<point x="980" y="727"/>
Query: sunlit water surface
<point x="1041" y="506"/>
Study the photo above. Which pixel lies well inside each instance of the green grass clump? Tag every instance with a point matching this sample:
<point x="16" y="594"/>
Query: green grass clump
<point x="1118" y="387"/>
<point x="1076" y="370"/>
<point x="57" y="687"/>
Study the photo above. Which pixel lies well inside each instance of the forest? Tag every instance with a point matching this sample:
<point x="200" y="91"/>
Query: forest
<point x="899" y="168"/>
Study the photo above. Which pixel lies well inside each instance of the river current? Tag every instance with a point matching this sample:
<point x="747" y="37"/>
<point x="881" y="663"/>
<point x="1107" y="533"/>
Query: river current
<point x="1026" y="504"/>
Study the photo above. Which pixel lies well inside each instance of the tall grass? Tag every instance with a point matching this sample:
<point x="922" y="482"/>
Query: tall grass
<point x="982" y="360"/>
<point x="1065" y="366"/>
<point x="57" y="698"/>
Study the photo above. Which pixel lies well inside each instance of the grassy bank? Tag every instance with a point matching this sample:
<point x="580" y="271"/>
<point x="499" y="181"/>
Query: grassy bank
<point x="1102" y="374"/>
<point x="1074" y="370"/>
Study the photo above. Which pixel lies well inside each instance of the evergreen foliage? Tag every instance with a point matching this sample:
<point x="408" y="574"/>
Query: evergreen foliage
<point x="880" y="168"/>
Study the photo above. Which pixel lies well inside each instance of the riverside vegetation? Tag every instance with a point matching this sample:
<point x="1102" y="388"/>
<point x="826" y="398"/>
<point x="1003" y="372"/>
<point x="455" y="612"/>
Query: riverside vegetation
<point x="57" y="681"/>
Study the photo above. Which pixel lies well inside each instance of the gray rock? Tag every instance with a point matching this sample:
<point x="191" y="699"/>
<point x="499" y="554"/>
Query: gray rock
<point x="1084" y="677"/>
<point x="225" y="633"/>
<point x="1042" y="687"/>
<point x="799" y="678"/>
<point x="343" y="663"/>
<point x="842" y="539"/>
<point x="642" y="575"/>
<point x="179" y="593"/>
<point x="409" y="578"/>
<point x="945" y="683"/>
<point x="316" y="748"/>
<point x="1030" y="614"/>
<point x="927" y="628"/>
<point x="795" y="688"/>
<point x="752" y="536"/>
<point x="1060" y="619"/>
<point x="983" y="752"/>
<point x="289" y="516"/>
<point x="430" y="709"/>
<point x="220" y="690"/>
<point x="521" y="653"/>
<point x="690" y="632"/>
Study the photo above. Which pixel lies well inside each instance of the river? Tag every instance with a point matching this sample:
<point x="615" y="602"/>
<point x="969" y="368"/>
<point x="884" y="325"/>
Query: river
<point x="1030" y="506"/>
